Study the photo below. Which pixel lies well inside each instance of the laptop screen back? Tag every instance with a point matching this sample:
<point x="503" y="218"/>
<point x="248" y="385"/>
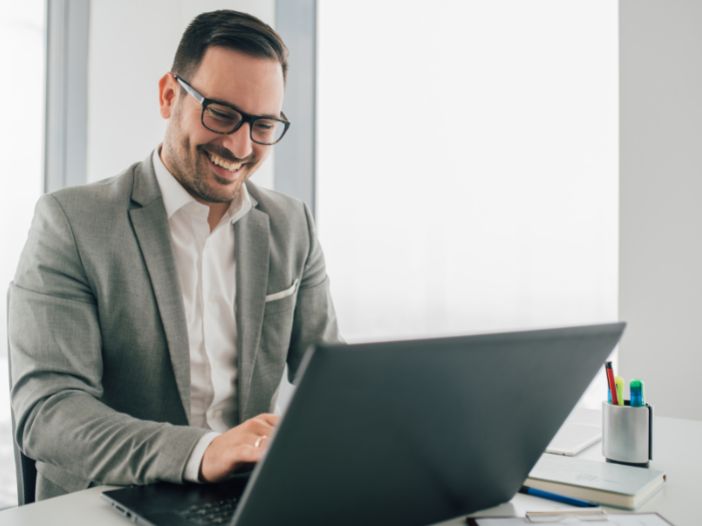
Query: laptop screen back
<point x="415" y="432"/>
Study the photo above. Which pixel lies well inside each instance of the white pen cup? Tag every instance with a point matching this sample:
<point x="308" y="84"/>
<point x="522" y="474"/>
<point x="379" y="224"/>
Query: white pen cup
<point x="627" y="433"/>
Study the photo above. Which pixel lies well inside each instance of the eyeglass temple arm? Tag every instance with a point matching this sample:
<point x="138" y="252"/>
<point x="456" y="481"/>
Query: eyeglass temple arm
<point x="187" y="87"/>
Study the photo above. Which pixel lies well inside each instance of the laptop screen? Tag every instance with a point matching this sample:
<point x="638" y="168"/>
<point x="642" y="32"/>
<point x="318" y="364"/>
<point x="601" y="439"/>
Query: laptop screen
<point x="415" y="432"/>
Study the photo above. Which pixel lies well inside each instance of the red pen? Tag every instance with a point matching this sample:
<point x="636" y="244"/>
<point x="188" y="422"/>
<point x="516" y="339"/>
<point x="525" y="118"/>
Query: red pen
<point x="610" y="382"/>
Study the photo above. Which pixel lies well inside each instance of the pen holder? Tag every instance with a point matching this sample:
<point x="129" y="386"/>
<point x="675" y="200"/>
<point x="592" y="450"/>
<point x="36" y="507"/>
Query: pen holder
<point x="627" y="433"/>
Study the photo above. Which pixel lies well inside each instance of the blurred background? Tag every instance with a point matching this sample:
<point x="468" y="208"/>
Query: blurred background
<point x="473" y="166"/>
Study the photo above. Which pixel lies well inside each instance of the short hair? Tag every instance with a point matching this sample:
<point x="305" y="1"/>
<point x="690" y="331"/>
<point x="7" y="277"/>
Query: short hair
<point x="228" y="29"/>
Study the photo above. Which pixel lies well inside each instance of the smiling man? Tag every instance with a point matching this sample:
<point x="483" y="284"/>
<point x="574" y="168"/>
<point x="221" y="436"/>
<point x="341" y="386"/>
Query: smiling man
<point x="152" y="314"/>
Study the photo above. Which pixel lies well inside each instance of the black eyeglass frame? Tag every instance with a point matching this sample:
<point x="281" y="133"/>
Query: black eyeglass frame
<point x="245" y="117"/>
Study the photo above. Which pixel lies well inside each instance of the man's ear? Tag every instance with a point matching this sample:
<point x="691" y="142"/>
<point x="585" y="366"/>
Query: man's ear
<point x="167" y="95"/>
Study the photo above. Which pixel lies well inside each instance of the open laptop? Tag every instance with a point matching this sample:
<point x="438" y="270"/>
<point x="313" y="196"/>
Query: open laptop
<point x="400" y="433"/>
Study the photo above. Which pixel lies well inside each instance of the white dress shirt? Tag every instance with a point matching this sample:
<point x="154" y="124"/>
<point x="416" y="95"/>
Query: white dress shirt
<point x="206" y="271"/>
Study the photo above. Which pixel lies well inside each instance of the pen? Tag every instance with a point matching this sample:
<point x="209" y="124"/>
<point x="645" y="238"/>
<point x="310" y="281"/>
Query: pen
<point x="619" y="385"/>
<point x="611" y="383"/>
<point x="636" y="395"/>
<point x="556" y="497"/>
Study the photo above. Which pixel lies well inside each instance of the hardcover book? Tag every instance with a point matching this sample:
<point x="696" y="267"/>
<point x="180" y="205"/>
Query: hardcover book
<point x="596" y="481"/>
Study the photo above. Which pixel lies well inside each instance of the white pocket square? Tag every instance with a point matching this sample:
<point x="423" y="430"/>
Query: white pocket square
<point x="283" y="293"/>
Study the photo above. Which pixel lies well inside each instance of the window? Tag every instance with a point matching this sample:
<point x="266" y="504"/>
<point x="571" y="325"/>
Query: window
<point x="468" y="164"/>
<point x="21" y="134"/>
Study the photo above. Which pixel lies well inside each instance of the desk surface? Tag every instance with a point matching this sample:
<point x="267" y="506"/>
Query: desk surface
<point x="676" y="452"/>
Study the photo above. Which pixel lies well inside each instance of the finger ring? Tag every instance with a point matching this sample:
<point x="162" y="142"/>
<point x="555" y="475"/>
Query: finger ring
<point x="258" y="441"/>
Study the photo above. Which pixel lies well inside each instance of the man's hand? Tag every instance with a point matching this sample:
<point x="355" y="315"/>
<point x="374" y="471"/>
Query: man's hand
<point x="240" y="445"/>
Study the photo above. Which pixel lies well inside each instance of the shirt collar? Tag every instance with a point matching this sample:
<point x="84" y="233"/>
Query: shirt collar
<point x="175" y="197"/>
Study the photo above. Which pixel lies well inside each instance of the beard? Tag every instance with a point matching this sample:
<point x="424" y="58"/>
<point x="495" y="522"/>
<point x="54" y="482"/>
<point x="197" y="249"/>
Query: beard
<point x="192" y="167"/>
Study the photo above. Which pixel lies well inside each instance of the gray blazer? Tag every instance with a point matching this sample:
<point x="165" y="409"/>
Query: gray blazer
<point x="98" y="337"/>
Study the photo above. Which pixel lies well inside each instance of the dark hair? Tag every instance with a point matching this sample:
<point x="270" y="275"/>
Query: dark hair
<point x="229" y="29"/>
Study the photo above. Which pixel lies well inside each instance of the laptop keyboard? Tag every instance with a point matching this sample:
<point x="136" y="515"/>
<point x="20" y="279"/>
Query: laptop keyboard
<point x="214" y="512"/>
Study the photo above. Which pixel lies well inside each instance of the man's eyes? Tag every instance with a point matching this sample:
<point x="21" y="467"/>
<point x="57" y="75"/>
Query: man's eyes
<point x="265" y="125"/>
<point x="227" y="117"/>
<point x="223" y="115"/>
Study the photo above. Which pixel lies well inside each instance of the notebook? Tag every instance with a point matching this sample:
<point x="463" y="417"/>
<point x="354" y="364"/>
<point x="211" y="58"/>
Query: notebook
<point x="582" y="429"/>
<point x="597" y="481"/>
<point x="399" y="433"/>
<point x="573" y="438"/>
<point x="575" y="518"/>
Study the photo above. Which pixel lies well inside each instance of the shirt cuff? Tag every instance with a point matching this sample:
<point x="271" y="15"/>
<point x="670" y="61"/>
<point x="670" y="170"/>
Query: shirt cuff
<point x="192" y="468"/>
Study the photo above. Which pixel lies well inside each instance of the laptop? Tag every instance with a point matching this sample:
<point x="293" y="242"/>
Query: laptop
<point x="399" y="433"/>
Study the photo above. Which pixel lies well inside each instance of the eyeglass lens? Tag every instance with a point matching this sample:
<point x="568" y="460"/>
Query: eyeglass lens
<point x="222" y="119"/>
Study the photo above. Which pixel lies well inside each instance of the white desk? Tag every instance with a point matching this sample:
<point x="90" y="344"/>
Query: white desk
<point x="676" y="451"/>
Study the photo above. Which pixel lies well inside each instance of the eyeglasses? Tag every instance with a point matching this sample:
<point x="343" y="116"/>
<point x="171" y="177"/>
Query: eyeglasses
<point x="223" y="118"/>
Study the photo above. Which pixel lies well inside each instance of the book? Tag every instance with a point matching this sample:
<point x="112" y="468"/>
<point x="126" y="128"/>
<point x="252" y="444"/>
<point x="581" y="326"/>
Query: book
<point x="572" y="518"/>
<point x="603" y="482"/>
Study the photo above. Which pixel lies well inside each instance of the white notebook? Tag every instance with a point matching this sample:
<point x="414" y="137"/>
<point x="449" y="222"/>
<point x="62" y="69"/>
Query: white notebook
<point x="610" y="519"/>
<point x="582" y="429"/>
<point x="597" y="481"/>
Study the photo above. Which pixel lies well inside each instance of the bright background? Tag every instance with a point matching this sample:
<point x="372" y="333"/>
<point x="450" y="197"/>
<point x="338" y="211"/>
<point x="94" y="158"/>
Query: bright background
<point x="468" y="165"/>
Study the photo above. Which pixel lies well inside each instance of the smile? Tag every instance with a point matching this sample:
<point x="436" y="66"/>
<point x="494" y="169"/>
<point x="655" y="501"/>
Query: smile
<point x="219" y="161"/>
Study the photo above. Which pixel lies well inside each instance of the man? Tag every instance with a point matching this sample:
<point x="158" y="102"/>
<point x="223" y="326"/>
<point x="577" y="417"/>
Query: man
<point x="152" y="314"/>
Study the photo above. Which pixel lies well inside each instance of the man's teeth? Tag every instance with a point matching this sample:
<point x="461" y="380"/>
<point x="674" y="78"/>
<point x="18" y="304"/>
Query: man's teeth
<point x="232" y="167"/>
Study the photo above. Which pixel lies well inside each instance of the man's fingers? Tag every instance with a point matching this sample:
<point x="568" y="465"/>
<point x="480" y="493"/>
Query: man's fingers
<point x="268" y="418"/>
<point x="263" y="424"/>
<point x="259" y="428"/>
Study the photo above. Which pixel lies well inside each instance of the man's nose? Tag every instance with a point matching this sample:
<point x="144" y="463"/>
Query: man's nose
<point x="239" y="142"/>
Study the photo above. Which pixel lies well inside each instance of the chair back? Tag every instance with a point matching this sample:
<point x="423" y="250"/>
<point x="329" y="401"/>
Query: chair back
<point x="26" y="473"/>
<point x="25" y="467"/>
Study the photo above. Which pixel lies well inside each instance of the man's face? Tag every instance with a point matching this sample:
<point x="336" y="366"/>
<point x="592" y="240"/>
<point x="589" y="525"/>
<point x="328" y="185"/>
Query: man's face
<point x="213" y="167"/>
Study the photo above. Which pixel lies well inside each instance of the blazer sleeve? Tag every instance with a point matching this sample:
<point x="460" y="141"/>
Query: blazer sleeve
<point x="315" y="318"/>
<point x="56" y="371"/>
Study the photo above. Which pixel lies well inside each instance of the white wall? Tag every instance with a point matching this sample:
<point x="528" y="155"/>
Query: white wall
<point x="132" y="43"/>
<point x="661" y="196"/>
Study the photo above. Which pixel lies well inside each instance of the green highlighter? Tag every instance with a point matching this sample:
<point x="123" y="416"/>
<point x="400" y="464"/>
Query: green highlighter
<point x="619" y="386"/>
<point x="636" y="393"/>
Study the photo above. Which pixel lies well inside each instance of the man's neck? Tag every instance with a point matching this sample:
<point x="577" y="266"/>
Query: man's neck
<point x="217" y="211"/>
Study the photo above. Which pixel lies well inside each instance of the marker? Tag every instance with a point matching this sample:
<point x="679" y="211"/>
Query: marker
<point x="556" y="497"/>
<point x="619" y="385"/>
<point x="610" y="382"/>
<point x="636" y="394"/>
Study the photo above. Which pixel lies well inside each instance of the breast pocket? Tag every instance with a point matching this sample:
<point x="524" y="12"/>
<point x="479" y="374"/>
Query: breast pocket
<point x="282" y="300"/>
<point x="277" y="327"/>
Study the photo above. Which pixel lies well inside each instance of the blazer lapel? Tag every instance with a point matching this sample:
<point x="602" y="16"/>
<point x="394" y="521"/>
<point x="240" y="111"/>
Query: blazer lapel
<point x="252" y="252"/>
<point x="152" y="231"/>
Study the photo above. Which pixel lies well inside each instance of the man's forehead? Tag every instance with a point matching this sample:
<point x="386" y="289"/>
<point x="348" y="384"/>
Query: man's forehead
<point x="241" y="79"/>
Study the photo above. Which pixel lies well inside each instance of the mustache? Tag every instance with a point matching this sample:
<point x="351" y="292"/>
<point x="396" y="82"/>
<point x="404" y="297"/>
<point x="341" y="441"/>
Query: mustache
<point x="224" y="153"/>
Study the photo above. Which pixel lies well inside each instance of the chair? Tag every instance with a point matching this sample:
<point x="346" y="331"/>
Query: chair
<point x="26" y="473"/>
<point x="25" y="468"/>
